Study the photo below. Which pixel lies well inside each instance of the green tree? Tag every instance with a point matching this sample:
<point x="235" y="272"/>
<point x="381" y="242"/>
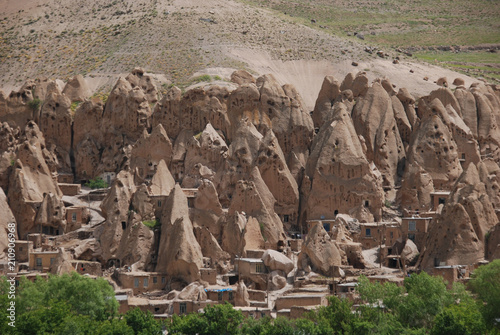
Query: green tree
<point x="142" y="323"/>
<point x="96" y="183"/>
<point x="460" y="319"/>
<point x="426" y="297"/>
<point x="84" y="296"/>
<point x="485" y="283"/>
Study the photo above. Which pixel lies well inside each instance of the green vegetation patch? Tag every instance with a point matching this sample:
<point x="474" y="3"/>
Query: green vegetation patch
<point x="96" y="183"/>
<point x="474" y="63"/>
<point x="151" y="224"/>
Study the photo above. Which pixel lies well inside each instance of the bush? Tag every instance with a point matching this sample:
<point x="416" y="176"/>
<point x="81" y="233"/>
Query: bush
<point x="96" y="183"/>
<point x="152" y="224"/>
<point x="35" y="104"/>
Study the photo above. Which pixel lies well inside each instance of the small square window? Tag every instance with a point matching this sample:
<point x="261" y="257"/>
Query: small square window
<point x="146" y="282"/>
<point x="286" y="218"/>
<point x="73" y="217"/>
<point x="52" y="260"/>
<point x="368" y="232"/>
<point x="38" y="261"/>
<point x="163" y="280"/>
<point x="231" y="295"/>
<point x="182" y="308"/>
<point x="258" y="268"/>
<point x="155" y="280"/>
<point x="412" y="225"/>
<point x="159" y="203"/>
<point x="136" y="282"/>
<point x="220" y="295"/>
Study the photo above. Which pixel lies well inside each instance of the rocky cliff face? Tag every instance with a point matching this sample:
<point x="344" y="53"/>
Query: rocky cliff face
<point x="223" y="170"/>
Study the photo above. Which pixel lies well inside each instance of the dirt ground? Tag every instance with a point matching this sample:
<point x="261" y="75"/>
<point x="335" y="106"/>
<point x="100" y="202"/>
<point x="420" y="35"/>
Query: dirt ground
<point x="175" y="39"/>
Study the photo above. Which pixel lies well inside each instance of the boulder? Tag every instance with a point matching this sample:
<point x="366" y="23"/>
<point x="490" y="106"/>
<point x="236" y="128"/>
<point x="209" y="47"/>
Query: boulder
<point x="320" y="253"/>
<point x="77" y="89"/>
<point x="242" y="77"/>
<point x="193" y="292"/>
<point x="275" y="260"/>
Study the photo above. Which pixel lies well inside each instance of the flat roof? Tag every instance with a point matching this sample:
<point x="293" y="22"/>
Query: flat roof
<point x="302" y="296"/>
<point x="250" y="260"/>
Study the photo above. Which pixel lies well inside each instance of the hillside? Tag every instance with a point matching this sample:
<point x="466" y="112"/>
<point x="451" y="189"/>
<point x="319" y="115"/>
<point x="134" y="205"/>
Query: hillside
<point x="101" y="40"/>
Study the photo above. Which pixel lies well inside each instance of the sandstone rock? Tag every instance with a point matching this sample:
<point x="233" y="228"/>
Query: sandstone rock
<point x="77" y="89"/>
<point x="149" y="150"/>
<point x="410" y="251"/>
<point x="459" y="82"/>
<point x="278" y="178"/>
<point x="359" y="85"/>
<point x="329" y="91"/>
<point x="242" y="298"/>
<point x="468" y="107"/>
<point x="209" y="246"/>
<point x="31" y="179"/>
<point x="88" y="140"/>
<point x="253" y="235"/>
<point x="205" y="153"/>
<point x="242" y="77"/>
<point x="432" y="147"/>
<point x="162" y="182"/>
<point x="55" y="124"/>
<point x="141" y="203"/>
<point x="193" y="292"/>
<point x="408" y="102"/>
<point x="373" y="118"/>
<point x="15" y="109"/>
<point x="443" y="81"/>
<point x="192" y="111"/>
<point x="487" y="127"/>
<point x="136" y="243"/>
<point x="321" y="253"/>
<point x="179" y="253"/>
<point x="233" y="234"/>
<point x="275" y="260"/>
<point x="277" y="281"/>
<point x="6" y="217"/>
<point x="62" y="264"/>
<point x="127" y="110"/>
<point x="341" y="176"/>
<point x="139" y="79"/>
<point x="347" y="82"/>
<point x="458" y="236"/>
<point x="115" y="209"/>
<point x="416" y="188"/>
<point x="493" y="243"/>
<point x="207" y="211"/>
<point x="51" y="214"/>
<point x="253" y="198"/>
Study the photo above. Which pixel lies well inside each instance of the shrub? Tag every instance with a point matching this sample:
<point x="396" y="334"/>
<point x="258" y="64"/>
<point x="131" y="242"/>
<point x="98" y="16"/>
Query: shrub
<point x="96" y="183"/>
<point x="35" y="104"/>
<point x="152" y="224"/>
